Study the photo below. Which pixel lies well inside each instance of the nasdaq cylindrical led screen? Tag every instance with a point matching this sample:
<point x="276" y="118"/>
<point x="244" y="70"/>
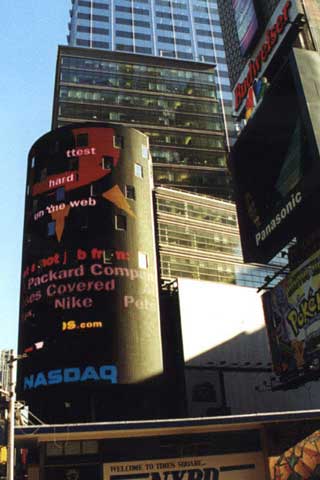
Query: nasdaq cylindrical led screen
<point x="89" y="294"/>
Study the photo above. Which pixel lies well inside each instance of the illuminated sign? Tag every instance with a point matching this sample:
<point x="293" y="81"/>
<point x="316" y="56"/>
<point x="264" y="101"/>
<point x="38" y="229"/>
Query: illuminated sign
<point x="274" y="35"/>
<point x="89" y="277"/>
<point x="293" y="320"/>
<point x="246" y="21"/>
<point x="71" y="375"/>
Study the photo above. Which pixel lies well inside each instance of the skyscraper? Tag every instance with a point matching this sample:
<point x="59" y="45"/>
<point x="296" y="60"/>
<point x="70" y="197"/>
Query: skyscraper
<point x="173" y="101"/>
<point x="117" y="70"/>
<point x="185" y="29"/>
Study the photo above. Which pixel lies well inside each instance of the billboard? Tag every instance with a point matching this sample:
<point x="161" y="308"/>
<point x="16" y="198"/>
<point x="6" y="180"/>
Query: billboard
<point x="275" y="32"/>
<point x="89" y="293"/>
<point x="225" y="314"/>
<point x="235" y="466"/>
<point x="275" y="164"/>
<point x="246" y="22"/>
<point x="292" y="311"/>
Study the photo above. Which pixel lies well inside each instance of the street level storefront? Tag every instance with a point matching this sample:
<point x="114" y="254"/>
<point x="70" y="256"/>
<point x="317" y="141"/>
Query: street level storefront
<point x="246" y="447"/>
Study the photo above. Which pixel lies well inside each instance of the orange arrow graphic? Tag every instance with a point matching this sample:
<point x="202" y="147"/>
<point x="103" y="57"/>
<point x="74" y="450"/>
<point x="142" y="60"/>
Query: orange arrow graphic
<point x="59" y="218"/>
<point x="115" y="196"/>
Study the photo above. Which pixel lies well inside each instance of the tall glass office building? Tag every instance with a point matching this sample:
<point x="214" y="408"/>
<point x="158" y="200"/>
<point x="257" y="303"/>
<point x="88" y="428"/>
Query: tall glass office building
<point x="173" y="101"/>
<point x="181" y="29"/>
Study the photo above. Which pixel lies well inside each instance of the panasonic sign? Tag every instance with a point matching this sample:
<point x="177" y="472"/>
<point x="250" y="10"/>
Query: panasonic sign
<point x="279" y="218"/>
<point x="106" y="373"/>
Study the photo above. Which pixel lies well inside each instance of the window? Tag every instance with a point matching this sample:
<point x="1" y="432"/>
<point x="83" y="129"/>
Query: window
<point x="138" y="170"/>
<point x="43" y="174"/>
<point x="73" y="163"/>
<point x="145" y="151"/>
<point x="85" y="447"/>
<point x="108" y="255"/>
<point x="142" y="260"/>
<point x="60" y="194"/>
<point x="130" y="192"/>
<point x="107" y="162"/>
<point x="72" y="448"/>
<point x="143" y="50"/>
<point x="118" y="141"/>
<point x="82" y="140"/>
<point x="35" y="205"/>
<point x="121" y="222"/>
<point x="51" y="229"/>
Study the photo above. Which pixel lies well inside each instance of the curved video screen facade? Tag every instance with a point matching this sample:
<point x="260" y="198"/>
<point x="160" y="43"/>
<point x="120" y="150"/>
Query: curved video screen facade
<point x="89" y="295"/>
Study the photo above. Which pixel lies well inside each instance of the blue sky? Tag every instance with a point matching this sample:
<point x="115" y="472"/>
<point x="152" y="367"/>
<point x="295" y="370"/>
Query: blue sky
<point x="30" y="33"/>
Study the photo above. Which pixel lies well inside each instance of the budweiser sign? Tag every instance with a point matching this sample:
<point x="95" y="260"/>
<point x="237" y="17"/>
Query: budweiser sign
<point x="255" y="66"/>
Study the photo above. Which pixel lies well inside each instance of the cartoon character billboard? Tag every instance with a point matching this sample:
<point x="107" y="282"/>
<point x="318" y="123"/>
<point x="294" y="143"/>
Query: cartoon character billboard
<point x="292" y="311"/>
<point x="291" y="454"/>
<point x="89" y="292"/>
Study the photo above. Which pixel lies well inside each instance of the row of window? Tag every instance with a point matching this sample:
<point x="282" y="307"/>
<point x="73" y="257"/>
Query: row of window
<point x="128" y="82"/>
<point x="92" y="44"/>
<point x="146" y="37"/>
<point x="188" y="157"/>
<point x="119" y="46"/>
<point x="177" y="41"/>
<point x="142" y="100"/>
<point x="98" y="18"/>
<point x="135" y="49"/>
<point x="172" y="28"/>
<point x="186" y="236"/>
<point x="179" y="266"/>
<point x="137" y="11"/>
<point x="139" y="116"/>
<point x="130" y="47"/>
<point x="193" y="76"/>
<point x="174" y="266"/>
<point x="171" y="3"/>
<point x="163" y="52"/>
<point x="192" y="211"/>
<point x="186" y="140"/>
<point x="214" y="183"/>
<point x="144" y="24"/>
<point x="129" y="21"/>
<point x="96" y="30"/>
<point x="94" y="5"/>
<point x="136" y="35"/>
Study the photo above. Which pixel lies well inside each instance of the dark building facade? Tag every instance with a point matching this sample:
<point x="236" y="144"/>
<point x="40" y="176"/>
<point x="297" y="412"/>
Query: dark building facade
<point x="173" y="102"/>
